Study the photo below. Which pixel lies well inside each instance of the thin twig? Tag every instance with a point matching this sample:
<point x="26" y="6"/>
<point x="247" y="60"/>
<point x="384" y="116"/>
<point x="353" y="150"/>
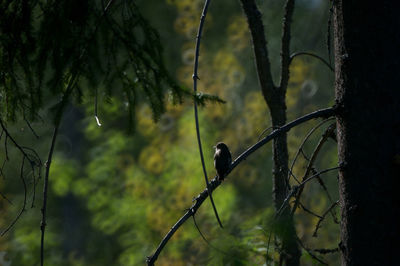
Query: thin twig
<point x="262" y="133"/>
<point x="312" y="55"/>
<point x="34" y="186"/>
<point x="326" y="250"/>
<point x="322" y="184"/>
<point x="31" y="128"/>
<point x="329" y="133"/>
<point x="211" y="245"/>
<point x="5" y="147"/>
<point x="2" y="169"/>
<point x="314" y="156"/>
<point x="295" y="189"/>
<point x="310" y="252"/>
<point x="323" y="217"/>
<point x="300" y="149"/>
<point x="5" y="197"/>
<point x="304" y="155"/>
<point x="324" y="113"/>
<point x="308" y="210"/>
<point x="195" y="78"/>
<point x="21" y="175"/>
<point x="201" y="234"/>
<point x="35" y="161"/>
<point x="20" y="148"/>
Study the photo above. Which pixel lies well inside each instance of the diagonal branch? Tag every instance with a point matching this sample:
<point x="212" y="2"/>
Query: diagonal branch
<point x="312" y="55"/>
<point x="323" y="217"/>
<point x="195" y="78"/>
<point x="21" y="175"/>
<point x="20" y="148"/>
<point x="314" y="156"/>
<point x="295" y="189"/>
<point x="300" y="149"/>
<point x="324" y="113"/>
<point x="309" y="251"/>
<point x="32" y="157"/>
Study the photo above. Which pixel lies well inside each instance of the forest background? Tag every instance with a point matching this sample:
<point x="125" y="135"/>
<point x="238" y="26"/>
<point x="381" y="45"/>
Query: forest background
<point x="115" y="190"/>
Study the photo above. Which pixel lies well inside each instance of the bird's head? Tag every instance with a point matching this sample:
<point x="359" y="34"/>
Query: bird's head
<point x="221" y="146"/>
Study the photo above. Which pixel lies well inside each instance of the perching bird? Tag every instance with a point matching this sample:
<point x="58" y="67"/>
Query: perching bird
<point x="222" y="159"/>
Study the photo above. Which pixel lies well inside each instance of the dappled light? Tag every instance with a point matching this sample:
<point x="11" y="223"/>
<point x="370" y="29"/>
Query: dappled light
<point x="99" y="142"/>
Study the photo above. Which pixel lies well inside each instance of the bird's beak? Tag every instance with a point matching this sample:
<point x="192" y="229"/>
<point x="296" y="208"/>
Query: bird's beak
<point x="214" y="147"/>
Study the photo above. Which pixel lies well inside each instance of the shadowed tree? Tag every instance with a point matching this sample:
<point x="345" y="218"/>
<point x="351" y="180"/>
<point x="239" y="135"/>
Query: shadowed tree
<point x="367" y="39"/>
<point x="275" y="98"/>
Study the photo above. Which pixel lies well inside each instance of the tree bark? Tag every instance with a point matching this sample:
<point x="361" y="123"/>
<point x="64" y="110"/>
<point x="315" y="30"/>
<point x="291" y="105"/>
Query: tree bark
<point x="367" y="40"/>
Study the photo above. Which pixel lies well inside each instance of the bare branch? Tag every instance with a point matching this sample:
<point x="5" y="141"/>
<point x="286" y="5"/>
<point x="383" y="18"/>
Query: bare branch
<point x="5" y="197"/>
<point x="31" y="128"/>
<point x="312" y="55"/>
<point x="308" y="210"/>
<point x="8" y="136"/>
<point x="263" y="132"/>
<point x="215" y="182"/>
<point x="212" y="246"/>
<point x="314" y="156"/>
<point x="311" y="253"/>
<point x="21" y="175"/>
<point x="295" y="189"/>
<point x="326" y="250"/>
<point x="32" y="157"/>
<point x="5" y="147"/>
<point x="196" y="117"/>
<point x="300" y="149"/>
<point x="323" y="217"/>
<point x="2" y="168"/>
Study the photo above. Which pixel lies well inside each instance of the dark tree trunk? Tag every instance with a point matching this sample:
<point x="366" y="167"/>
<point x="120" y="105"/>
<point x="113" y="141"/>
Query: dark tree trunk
<point x="274" y="96"/>
<point x="367" y="41"/>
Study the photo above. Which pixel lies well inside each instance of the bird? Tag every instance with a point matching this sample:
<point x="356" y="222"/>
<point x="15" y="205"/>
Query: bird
<point x="222" y="160"/>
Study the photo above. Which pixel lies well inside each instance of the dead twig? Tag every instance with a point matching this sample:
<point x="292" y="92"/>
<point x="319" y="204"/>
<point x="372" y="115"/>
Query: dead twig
<point x="300" y="149"/>
<point x="309" y="169"/>
<point x="323" y="217"/>
<point x="309" y="251"/>
<point x="21" y="175"/>
<point x="215" y="182"/>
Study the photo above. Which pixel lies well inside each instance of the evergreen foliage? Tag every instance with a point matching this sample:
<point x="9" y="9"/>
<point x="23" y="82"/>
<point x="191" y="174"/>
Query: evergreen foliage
<point x="90" y="45"/>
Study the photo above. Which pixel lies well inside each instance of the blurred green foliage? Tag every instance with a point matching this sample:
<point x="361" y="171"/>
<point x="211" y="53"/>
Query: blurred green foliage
<point x="114" y="194"/>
